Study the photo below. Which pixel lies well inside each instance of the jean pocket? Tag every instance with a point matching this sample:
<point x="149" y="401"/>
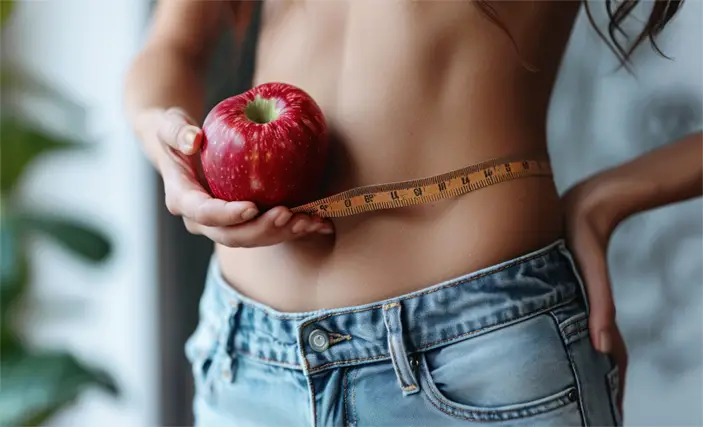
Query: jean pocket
<point x="613" y="383"/>
<point x="516" y="371"/>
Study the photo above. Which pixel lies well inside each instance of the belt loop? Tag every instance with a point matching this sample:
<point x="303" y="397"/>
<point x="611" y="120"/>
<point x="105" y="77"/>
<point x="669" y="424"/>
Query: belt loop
<point x="229" y="365"/>
<point x="404" y="372"/>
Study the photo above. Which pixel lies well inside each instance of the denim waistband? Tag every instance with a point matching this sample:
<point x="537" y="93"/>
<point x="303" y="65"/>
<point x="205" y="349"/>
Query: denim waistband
<point x="449" y="311"/>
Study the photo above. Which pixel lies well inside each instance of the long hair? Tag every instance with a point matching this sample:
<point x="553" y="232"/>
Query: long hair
<point x="662" y="12"/>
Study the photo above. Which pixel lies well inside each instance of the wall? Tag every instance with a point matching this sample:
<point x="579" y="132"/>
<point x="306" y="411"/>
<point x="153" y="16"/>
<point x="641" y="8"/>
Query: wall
<point x="601" y="118"/>
<point x="107" y="316"/>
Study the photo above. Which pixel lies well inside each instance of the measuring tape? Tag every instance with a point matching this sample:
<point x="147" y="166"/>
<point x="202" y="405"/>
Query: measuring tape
<point x="426" y="190"/>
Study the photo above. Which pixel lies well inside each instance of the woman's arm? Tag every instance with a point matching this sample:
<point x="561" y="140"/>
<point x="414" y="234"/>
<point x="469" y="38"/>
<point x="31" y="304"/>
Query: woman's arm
<point x="669" y="174"/>
<point x="596" y="206"/>
<point x="164" y="100"/>
<point x="169" y="69"/>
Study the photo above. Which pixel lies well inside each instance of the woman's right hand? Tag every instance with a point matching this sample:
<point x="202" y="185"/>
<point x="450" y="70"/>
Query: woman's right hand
<point x="232" y="224"/>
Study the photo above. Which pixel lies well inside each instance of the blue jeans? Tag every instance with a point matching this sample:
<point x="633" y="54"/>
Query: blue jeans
<point x="507" y="345"/>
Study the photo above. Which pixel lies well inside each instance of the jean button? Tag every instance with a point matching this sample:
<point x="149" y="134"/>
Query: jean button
<point x="319" y="340"/>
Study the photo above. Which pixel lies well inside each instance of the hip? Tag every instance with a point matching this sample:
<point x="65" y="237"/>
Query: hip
<point x="506" y="345"/>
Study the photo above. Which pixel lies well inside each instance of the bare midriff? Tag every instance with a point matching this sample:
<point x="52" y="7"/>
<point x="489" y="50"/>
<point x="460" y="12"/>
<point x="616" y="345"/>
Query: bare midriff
<point x="411" y="89"/>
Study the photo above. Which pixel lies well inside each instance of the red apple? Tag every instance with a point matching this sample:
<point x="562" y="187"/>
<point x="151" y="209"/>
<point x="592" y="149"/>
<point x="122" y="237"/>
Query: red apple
<point x="267" y="145"/>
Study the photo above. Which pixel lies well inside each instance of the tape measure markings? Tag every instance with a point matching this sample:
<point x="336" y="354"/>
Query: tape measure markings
<point x="426" y="190"/>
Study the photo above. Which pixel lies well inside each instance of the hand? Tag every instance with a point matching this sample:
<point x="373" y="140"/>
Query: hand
<point x="232" y="224"/>
<point x="589" y="226"/>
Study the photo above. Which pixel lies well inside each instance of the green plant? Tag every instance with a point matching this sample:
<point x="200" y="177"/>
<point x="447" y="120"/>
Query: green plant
<point x="35" y="384"/>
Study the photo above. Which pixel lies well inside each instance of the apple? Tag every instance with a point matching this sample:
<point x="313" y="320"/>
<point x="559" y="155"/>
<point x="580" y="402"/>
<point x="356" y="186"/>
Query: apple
<point x="267" y="145"/>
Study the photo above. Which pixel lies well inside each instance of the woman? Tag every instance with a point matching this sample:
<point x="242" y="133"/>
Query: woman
<point x="467" y="310"/>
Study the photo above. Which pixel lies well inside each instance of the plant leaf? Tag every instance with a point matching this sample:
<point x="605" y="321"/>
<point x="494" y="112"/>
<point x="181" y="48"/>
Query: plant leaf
<point x="20" y="143"/>
<point x="13" y="282"/>
<point x="81" y="239"/>
<point x="10" y="250"/>
<point x="36" y="386"/>
<point x="17" y="79"/>
<point x="6" y="7"/>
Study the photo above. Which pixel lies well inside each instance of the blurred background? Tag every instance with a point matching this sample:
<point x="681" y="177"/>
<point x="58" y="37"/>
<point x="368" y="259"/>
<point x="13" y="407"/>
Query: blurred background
<point x="100" y="284"/>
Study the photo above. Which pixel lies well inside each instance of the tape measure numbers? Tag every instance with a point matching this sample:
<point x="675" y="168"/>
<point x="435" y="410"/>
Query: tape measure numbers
<point x="406" y="193"/>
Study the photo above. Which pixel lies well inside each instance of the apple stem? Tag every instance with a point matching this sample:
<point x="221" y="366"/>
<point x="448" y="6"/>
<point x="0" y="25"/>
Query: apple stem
<point x="261" y="110"/>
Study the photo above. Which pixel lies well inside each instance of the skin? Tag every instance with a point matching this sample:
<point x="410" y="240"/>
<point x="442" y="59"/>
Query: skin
<point x="409" y="89"/>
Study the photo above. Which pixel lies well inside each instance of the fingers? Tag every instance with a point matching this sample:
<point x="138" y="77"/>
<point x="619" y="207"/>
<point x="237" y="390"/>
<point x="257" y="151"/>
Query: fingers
<point x="201" y="208"/>
<point x="177" y="130"/>
<point x="591" y="257"/>
<point x="233" y="224"/>
<point x="185" y="197"/>
<point x="274" y="226"/>
<point x="590" y="252"/>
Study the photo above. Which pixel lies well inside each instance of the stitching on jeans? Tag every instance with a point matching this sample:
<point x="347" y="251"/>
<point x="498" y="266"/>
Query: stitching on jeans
<point x="253" y="356"/>
<point x="411" y="387"/>
<point x="391" y="305"/>
<point x="353" y="397"/>
<point x="495" y="325"/>
<point x="345" y="388"/>
<point x="339" y="362"/>
<point x="453" y="413"/>
<point x="335" y="338"/>
<point x="312" y="402"/>
<point x="224" y="287"/>
<point x="575" y="332"/>
<point x="449" y="285"/>
<point x="386" y="355"/>
<point x="574" y="320"/>
<point x="572" y="364"/>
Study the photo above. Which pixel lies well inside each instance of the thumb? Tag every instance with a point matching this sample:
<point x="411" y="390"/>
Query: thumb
<point x="177" y="130"/>
<point x="592" y="260"/>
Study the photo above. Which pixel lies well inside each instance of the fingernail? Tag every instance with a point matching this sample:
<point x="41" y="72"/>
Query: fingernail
<point x="188" y="140"/>
<point x="249" y="214"/>
<point x="282" y="219"/>
<point x="313" y="227"/>
<point x="604" y="342"/>
<point x="298" y="227"/>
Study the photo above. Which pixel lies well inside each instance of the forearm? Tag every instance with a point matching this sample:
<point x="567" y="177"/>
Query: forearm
<point x="161" y="77"/>
<point x="669" y="174"/>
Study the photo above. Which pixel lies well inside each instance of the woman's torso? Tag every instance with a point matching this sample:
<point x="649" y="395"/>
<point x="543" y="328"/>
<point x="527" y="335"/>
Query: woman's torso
<point x="411" y="89"/>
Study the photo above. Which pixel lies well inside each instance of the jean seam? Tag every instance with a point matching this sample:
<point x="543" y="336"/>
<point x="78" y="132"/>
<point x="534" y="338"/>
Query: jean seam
<point x="496" y="325"/>
<point x="353" y="398"/>
<point x="271" y="361"/>
<point x="430" y="291"/>
<point x="424" y="346"/>
<point x="475" y="415"/>
<point x="451" y="413"/>
<point x="313" y="405"/>
<point x="573" y="321"/>
<point x="575" y="332"/>
<point x="613" y="396"/>
<point x="345" y="388"/>
<point x="574" y="372"/>
<point x="340" y="362"/>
